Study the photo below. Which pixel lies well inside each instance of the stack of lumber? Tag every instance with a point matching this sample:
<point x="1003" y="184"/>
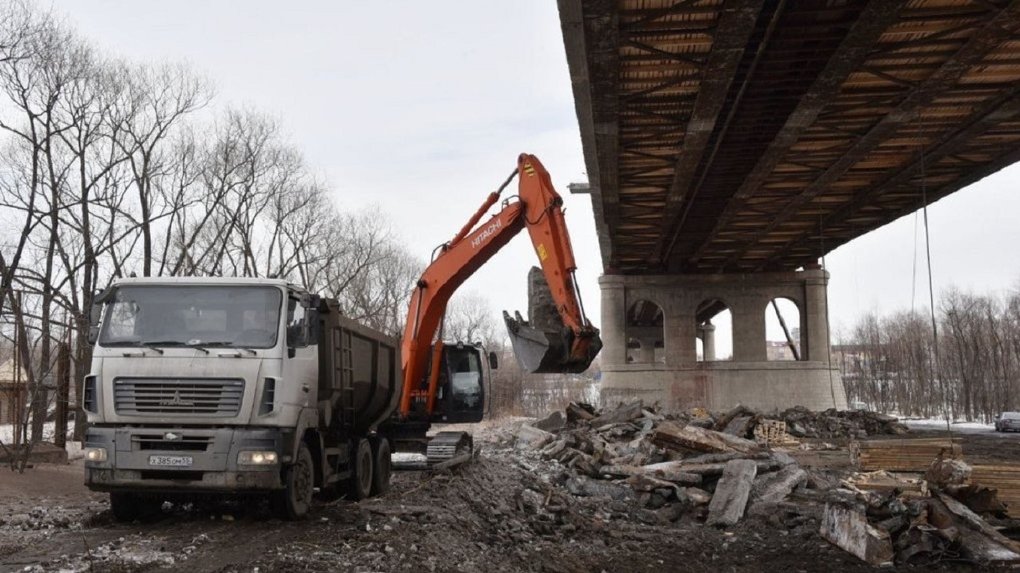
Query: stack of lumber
<point x="1005" y="477"/>
<point x="911" y="455"/>
<point x="772" y="433"/>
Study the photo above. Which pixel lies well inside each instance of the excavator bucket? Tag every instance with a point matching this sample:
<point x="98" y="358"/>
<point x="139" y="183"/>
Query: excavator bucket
<point x="550" y="351"/>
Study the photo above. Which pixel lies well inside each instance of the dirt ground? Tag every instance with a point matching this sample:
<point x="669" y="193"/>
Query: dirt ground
<point x="504" y="512"/>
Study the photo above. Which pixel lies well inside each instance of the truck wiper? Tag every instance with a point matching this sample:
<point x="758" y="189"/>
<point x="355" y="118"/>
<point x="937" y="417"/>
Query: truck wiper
<point x="155" y="345"/>
<point x="198" y="347"/>
<point x="228" y="344"/>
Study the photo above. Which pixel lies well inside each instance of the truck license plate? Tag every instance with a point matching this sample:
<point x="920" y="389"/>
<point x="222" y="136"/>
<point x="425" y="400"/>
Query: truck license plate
<point x="170" y="461"/>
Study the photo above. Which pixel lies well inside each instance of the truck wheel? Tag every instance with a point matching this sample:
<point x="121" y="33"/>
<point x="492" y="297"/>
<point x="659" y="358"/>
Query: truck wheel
<point x="293" y="501"/>
<point x="127" y="507"/>
<point x="380" y="466"/>
<point x="361" y="476"/>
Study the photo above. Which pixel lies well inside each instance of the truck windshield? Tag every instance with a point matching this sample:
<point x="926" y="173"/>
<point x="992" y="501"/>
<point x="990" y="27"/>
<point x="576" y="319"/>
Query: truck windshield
<point x="193" y="315"/>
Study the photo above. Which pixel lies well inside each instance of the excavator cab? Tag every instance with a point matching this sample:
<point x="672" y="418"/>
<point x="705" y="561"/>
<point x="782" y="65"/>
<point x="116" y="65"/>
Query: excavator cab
<point x="461" y="395"/>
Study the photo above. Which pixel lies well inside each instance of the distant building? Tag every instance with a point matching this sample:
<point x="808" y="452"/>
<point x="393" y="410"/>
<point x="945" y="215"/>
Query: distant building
<point x="778" y="350"/>
<point x="13" y="392"/>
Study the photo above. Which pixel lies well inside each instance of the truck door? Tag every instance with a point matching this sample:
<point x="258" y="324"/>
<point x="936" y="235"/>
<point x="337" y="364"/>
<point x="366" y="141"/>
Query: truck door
<point x="462" y="394"/>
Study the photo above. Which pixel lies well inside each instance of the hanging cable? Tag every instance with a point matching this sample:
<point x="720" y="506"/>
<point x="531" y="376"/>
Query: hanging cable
<point x="934" y="356"/>
<point x="913" y="273"/>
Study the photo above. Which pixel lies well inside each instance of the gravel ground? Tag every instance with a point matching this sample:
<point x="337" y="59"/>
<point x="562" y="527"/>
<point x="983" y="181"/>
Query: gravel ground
<point x="504" y="512"/>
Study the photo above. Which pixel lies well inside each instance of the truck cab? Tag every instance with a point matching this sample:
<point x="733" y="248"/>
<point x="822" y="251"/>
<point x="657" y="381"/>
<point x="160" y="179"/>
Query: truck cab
<point x="228" y="386"/>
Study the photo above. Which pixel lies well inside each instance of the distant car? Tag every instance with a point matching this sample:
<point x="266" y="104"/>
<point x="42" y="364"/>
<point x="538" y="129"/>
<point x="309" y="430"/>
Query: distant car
<point x="1007" y="422"/>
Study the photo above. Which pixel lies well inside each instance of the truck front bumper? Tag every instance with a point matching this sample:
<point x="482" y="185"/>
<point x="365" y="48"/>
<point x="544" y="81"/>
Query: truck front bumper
<point x="212" y="453"/>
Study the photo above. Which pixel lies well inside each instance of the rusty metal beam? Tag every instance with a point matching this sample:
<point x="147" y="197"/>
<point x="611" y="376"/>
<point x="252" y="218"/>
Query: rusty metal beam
<point x="736" y="24"/>
<point x="591" y="38"/>
<point x="1004" y="108"/>
<point x="998" y="29"/>
<point x="876" y="17"/>
<point x="969" y="178"/>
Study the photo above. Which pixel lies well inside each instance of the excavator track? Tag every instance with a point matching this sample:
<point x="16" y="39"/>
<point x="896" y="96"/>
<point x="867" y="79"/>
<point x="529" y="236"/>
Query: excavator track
<point x="448" y="449"/>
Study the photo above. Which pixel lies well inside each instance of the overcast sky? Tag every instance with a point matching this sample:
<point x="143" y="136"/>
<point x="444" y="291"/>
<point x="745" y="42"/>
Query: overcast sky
<point x="420" y="108"/>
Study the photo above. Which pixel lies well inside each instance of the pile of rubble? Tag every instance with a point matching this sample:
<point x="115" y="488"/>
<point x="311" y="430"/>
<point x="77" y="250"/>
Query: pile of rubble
<point x="708" y="468"/>
<point x="804" y="423"/>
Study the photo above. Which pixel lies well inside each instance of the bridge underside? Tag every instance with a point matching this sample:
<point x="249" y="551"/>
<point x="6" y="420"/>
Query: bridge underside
<point x="725" y="138"/>
<point x="749" y="135"/>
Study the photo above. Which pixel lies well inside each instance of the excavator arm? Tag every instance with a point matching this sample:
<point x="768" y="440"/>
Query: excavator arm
<point x="538" y="207"/>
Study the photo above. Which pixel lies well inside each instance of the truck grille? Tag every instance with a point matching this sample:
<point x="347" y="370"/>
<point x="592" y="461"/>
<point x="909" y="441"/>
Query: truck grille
<point x="170" y="441"/>
<point x="158" y="397"/>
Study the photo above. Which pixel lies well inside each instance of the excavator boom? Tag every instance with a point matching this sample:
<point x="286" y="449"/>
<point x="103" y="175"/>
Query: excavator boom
<point x="569" y="347"/>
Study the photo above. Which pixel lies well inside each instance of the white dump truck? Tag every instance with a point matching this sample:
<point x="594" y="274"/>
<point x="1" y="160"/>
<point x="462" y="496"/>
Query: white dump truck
<point x="230" y="385"/>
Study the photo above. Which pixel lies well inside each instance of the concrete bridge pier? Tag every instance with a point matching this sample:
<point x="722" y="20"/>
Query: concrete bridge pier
<point x="673" y="312"/>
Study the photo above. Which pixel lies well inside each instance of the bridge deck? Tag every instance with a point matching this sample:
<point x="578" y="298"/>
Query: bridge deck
<point x="747" y="135"/>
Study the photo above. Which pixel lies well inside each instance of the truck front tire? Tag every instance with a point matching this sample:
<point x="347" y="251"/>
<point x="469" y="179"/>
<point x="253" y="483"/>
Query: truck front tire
<point x="381" y="466"/>
<point x="361" y="476"/>
<point x="294" y="500"/>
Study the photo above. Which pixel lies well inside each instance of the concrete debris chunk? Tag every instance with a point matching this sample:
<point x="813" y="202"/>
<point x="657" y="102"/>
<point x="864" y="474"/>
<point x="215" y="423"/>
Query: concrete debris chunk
<point x="947" y="471"/>
<point x="731" y="493"/>
<point x="577" y="411"/>
<point x="624" y="413"/>
<point x="532" y="437"/>
<point x="847" y="527"/>
<point x="775" y="487"/>
<point x="554" y="422"/>
<point x="670" y="435"/>
<point x="978" y="540"/>
<point x="666" y="471"/>
<point x="739" y="426"/>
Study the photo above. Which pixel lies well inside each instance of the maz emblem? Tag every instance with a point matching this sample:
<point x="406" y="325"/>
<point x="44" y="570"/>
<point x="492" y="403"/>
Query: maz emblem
<point x="176" y="401"/>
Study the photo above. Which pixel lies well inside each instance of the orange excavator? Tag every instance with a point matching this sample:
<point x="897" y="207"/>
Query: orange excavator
<point x="444" y="382"/>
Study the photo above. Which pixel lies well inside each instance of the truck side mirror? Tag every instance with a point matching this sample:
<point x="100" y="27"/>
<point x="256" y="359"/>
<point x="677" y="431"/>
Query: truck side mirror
<point x="493" y="361"/>
<point x="96" y="313"/>
<point x="95" y="317"/>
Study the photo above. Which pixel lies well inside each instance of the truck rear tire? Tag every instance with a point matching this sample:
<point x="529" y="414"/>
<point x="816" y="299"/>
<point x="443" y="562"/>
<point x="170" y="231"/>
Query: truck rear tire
<point x="380" y="466"/>
<point x="294" y="500"/>
<point x="361" y="471"/>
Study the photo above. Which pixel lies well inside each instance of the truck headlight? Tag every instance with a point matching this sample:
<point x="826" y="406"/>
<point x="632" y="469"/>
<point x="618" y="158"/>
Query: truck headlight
<point x="257" y="458"/>
<point x="94" y="454"/>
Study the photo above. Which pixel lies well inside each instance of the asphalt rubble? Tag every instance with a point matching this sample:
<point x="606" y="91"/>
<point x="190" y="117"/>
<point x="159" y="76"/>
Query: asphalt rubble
<point x="719" y="468"/>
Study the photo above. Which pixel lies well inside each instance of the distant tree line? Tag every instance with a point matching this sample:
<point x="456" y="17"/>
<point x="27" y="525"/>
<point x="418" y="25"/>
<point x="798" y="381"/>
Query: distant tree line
<point x="110" y="168"/>
<point x="890" y="362"/>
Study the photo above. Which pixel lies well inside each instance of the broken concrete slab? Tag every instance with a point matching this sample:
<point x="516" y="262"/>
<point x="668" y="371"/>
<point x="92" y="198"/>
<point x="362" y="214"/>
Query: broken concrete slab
<point x="576" y="412"/>
<point x="978" y="498"/>
<point x="731" y="493"/>
<point x="775" y="487"/>
<point x="739" y="426"/>
<point x="847" y="527"/>
<point x="532" y="437"/>
<point x="554" y="422"/>
<point x="663" y="471"/>
<point x="584" y="487"/>
<point x="697" y="495"/>
<point x="670" y="435"/>
<point x="977" y="539"/>
<point x="624" y="413"/>
<point x="975" y="522"/>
